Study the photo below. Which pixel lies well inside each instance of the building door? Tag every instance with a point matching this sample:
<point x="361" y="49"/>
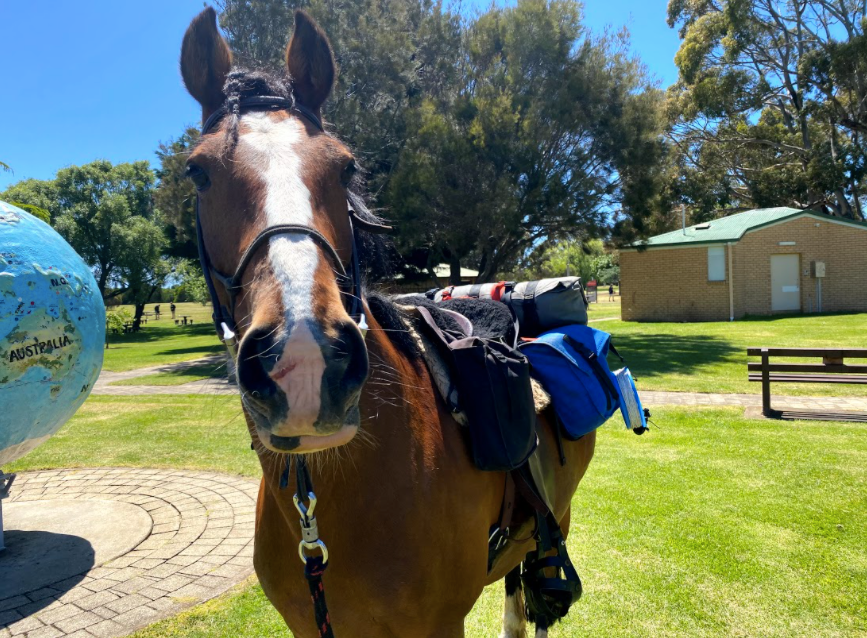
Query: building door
<point x="785" y="283"/>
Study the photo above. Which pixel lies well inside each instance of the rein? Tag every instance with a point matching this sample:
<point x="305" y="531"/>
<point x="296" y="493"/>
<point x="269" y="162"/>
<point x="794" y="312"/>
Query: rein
<point x="224" y="322"/>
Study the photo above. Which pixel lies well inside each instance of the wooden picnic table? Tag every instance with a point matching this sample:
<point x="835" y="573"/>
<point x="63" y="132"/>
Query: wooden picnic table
<point x="184" y="320"/>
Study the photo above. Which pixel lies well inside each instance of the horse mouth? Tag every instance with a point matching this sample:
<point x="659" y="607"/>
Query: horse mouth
<point x="307" y="443"/>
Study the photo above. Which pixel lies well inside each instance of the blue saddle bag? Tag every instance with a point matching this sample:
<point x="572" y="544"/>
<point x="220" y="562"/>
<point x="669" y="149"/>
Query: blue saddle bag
<point x="571" y="364"/>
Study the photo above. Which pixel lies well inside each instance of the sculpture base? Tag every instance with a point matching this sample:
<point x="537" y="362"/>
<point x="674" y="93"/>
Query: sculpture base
<point x="6" y="481"/>
<point x="51" y="540"/>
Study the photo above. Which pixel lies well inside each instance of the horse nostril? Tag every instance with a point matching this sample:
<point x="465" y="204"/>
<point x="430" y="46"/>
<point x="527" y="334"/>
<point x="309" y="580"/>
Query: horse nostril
<point x="256" y="358"/>
<point x="351" y="352"/>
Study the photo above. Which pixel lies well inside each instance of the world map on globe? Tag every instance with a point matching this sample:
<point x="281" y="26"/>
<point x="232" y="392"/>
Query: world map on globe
<point x="52" y="331"/>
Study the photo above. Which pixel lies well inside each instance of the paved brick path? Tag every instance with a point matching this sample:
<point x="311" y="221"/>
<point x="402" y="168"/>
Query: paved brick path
<point x="200" y="544"/>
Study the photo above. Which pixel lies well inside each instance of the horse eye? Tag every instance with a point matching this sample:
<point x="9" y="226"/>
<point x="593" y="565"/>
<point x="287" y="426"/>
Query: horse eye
<point x="198" y="176"/>
<point x="348" y="173"/>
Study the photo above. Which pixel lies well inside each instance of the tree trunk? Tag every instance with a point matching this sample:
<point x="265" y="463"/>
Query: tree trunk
<point x="103" y="280"/>
<point x="136" y="322"/>
<point x="454" y="271"/>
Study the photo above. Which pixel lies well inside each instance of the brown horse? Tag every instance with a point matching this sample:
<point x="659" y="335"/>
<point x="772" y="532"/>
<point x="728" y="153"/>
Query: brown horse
<point x="404" y="512"/>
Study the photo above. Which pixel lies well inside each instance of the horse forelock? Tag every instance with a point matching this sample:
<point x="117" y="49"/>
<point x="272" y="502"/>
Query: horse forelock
<point x="376" y="253"/>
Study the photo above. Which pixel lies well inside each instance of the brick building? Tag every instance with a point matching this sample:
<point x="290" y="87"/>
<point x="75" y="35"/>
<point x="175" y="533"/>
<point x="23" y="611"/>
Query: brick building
<point x="766" y="261"/>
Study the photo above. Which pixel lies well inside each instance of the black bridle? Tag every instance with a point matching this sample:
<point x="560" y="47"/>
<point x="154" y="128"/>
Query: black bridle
<point x="224" y="318"/>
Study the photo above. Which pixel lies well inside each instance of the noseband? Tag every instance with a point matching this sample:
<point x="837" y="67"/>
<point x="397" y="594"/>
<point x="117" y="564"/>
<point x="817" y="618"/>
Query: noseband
<point x="224" y="320"/>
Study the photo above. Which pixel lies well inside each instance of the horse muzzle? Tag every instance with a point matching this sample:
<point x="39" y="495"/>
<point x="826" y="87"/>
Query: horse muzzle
<point x="301" y="387"/>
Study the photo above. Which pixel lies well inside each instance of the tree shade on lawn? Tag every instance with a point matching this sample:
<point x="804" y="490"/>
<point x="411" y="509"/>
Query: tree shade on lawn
<point x="162" y="342"/>
<point x="712" y="356"/>
<point x="710" y="525"/>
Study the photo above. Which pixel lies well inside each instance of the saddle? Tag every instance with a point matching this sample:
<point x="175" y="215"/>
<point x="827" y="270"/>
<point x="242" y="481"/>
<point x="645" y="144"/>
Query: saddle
<point x="470" y="317"/>
<point x="443" y="329"/>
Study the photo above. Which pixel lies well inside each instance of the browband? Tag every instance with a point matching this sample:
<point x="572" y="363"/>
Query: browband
<point x="263" y="102"/>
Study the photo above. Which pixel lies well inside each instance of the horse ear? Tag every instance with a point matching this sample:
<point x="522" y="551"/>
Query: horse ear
<point x="310" y="62"/>
<point x="205" y="61"/>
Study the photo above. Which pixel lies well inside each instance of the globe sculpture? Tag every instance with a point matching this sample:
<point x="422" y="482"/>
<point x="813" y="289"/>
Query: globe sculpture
<point x="52" y="332"/>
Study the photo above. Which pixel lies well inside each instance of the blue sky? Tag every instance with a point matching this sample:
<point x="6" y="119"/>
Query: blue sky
<point x="99" y="79"/>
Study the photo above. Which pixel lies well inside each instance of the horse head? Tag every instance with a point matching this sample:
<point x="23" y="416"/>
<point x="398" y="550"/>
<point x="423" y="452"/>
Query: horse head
<point x="273" y="208"/>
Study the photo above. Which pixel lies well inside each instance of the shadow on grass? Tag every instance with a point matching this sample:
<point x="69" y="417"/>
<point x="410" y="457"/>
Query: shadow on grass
<point x="796" y="315"/>
<point x="652" y="355"/>
<point x="148" y="335"/>
<point x="207" y="349"/>
<point x="193" y="373"/>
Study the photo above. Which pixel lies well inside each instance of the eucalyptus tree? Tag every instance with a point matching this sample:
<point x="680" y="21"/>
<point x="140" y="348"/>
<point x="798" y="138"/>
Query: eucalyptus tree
<point x="106" y="213"/>
<point x="769" y="108"/>
<point x="550" y="133"/>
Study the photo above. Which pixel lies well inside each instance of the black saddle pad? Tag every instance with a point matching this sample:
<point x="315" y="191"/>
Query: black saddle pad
<point x="490" y="319"/>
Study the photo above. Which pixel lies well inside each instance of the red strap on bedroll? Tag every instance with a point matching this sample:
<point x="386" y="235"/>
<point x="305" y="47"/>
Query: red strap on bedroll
<point x="498" y="290"/>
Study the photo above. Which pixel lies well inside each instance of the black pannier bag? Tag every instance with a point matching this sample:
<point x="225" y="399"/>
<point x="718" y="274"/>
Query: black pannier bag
<point x="494" y="392"/>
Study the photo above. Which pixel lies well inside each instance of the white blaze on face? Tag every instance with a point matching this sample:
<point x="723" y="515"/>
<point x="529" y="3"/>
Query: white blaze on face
<point x="271" y="147"/>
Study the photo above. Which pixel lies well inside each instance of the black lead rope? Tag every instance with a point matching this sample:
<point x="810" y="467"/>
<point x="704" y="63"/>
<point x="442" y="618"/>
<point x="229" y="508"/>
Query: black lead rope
<point x="314" y="566"/>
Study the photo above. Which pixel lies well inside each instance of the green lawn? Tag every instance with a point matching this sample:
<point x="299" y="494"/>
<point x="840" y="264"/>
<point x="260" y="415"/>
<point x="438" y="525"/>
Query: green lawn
<point x="179" y="376"/>
<point x="188" y="431"/>
<point x="162" y="342"/>
<point x="710" y="525"/>
<point x="604" y="309"/>
<point x="712" y="356"/>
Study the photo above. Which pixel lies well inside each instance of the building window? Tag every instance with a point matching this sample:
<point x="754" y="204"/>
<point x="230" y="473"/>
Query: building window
<point x="716" y="263"/>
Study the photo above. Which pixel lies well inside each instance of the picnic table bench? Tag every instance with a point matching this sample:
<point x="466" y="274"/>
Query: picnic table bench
<point x="832" y="369"/>
<point x="184" y="319"/>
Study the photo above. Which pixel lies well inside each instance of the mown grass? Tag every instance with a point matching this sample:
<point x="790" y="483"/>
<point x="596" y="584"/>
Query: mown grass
<point x="162" y="342"/>
<point x="188" y="431"/>
<point x="712" y="356"/>
<point x="710" y="525"/>
<point x="602" y="308"/>
<point x="178" y="376"/>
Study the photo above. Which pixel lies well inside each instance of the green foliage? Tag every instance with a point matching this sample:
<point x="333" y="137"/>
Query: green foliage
<point x="589" y="260"/>
<point x="770" y="108"/>
<point x="40" y="193"/>
<point x="193" y="286"/>
<point x="175" y="196"/>
<point x="108" y="218"/>
<point x="546" y="133"/>
<point x="480" y="136"/>
<point x="115" y="319"/>
<point x="5" y="167"/>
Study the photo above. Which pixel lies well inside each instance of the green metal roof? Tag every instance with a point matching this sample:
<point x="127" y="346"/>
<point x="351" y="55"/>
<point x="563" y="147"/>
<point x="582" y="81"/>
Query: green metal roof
<point x="733" y="227"/>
